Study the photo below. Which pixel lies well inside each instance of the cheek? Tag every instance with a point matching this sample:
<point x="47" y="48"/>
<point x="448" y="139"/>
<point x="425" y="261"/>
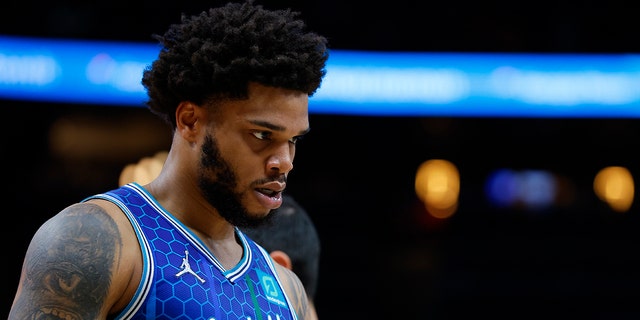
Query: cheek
<point x="244" y="162"/>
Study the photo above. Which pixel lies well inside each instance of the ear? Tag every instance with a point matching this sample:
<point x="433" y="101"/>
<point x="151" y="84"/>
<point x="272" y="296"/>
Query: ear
<point x="281" y="258"/>
<point x="187" y="115"/>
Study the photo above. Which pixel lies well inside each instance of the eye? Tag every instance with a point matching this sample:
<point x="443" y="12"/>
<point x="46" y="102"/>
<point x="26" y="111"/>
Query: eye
<point x="262" y="135"/>
<point x="295" y="139"/>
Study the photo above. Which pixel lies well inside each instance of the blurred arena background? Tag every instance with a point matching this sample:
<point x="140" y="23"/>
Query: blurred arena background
<point x="528" y="234"/>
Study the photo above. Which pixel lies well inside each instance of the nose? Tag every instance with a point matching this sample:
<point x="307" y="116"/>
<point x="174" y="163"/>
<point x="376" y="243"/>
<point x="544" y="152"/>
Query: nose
<point x="281" y="161"/>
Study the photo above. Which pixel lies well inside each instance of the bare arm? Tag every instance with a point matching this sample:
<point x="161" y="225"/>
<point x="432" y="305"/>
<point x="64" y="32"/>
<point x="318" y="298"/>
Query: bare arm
<point x="69" y="266"/>
<point x="296" y="293"/>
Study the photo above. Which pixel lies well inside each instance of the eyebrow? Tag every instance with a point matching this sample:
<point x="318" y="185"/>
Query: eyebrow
<point x="275" y="127"/>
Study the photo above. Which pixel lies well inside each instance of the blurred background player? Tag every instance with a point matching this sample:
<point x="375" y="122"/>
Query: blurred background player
<point x="292" y="241"/>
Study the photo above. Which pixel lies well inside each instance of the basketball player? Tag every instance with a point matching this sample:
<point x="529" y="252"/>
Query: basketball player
<point x="233" y="82"/>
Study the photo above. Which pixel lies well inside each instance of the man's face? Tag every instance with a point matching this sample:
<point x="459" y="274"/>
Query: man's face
<point x="246" y="157"/>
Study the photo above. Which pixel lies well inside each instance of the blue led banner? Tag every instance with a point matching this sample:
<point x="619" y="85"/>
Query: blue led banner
<point x="357" y="82"/>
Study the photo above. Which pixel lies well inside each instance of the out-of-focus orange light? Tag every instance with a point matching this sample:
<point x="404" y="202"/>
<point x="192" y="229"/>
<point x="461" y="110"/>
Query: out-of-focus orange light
<point x="437" y="185"/>
<point x="144" y="171"/>
<point x="614" y="185"/>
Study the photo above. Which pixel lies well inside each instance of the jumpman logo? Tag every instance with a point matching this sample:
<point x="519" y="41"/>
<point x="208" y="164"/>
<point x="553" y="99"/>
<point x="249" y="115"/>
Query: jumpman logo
<point x="186" y="267"/>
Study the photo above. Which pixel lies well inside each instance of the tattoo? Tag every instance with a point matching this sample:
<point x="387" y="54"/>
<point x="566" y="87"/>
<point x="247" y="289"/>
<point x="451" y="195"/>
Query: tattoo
<point x="299" y="298"/>
<point x="68" y="266"/>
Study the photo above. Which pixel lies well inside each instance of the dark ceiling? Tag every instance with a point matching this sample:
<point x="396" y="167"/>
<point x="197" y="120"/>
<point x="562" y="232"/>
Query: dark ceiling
<point x="405" y="25"/>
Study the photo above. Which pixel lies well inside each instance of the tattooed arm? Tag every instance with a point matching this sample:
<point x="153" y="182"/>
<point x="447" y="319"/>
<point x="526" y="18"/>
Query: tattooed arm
<point x="296" y="293"/>
<point x="69" y="267"/>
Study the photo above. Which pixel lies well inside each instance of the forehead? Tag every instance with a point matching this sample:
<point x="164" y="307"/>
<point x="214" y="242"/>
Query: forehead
<point x="281" y="107"/>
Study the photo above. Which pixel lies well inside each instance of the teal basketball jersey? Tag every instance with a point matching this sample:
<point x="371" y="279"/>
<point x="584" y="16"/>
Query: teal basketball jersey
<point x="183" y="280"/>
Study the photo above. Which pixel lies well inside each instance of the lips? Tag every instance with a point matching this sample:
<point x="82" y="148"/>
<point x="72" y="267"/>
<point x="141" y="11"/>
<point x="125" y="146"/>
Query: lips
<point x="267" y="192"/>
<point x="270" y="194"/>
<point x="272" y="187"/>
<point x="270" y="200"/>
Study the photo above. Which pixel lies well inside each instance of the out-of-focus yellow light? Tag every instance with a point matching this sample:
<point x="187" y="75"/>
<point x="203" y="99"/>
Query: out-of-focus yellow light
<point x="437" y="185"/>
<point x="614" y="185"/>
<point x="144" y="171"/>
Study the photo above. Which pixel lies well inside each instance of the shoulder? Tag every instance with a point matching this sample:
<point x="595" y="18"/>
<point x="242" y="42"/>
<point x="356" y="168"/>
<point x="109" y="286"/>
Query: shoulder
<point x="295" y="291"/>
<point x="96" y="228"/>
<point x="74" y="264"/>
<point x="81" y="217"/>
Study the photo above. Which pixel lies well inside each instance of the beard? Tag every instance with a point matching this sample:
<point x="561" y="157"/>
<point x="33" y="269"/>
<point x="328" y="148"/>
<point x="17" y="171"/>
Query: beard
<point x="219" y="191"/>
